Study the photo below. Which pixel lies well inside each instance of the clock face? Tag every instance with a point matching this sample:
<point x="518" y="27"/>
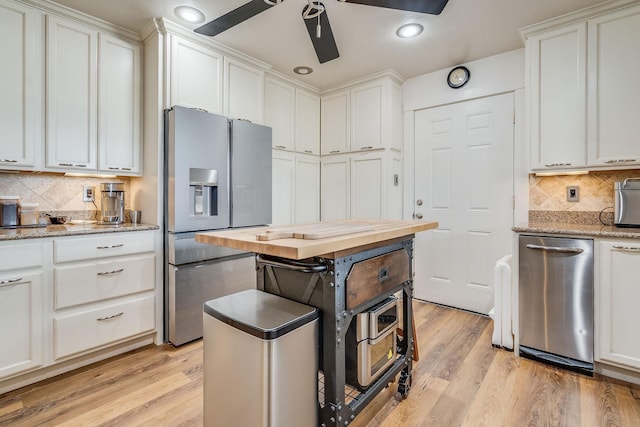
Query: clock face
<point x="458" y="77"/>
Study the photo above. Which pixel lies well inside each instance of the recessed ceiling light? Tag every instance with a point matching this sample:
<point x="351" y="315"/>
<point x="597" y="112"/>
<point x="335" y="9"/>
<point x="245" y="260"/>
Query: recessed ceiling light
<point x="303" y="70"/>
<point x="409" y="30"/>
<point x="189" y="14"/>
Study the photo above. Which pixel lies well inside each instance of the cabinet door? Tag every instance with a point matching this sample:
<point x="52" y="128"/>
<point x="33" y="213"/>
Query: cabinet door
<point x="614" y="92"/>
<point x="72" y="58"/>
<point x="307" y="122"/>
<point x="307" y="189"/>
<point x="283" y="187"/>
<point x="196" y="76"/>
<point x="243" y="91"/>
<point x="279" y="112"/>
<point x="367" y="191"/>
<point x="367" y="127"/>
<point x="556" y="78"/>
<point x="335" y="187"/>
<point x="618" y="293"/>
<point x="119" y="112"/>
<point x="20" y="74"/>
<point x="335" y="116"/>
<point x="21" y="311"/>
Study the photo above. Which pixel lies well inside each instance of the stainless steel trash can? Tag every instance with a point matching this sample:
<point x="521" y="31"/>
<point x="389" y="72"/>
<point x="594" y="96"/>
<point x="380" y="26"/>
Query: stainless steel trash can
<point x="260" y="361"/>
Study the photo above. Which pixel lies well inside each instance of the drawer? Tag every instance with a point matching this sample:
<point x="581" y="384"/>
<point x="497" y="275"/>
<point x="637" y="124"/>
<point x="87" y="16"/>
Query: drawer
<point x="90" y="329"/>
<point x="89" y="282"/>
<point x="375" y="276"/>
<point x="16" y="255"/>
<point x="102" y="246"/>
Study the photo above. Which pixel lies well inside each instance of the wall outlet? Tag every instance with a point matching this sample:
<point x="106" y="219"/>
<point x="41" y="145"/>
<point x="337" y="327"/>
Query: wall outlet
<point x="87" y="194"/>
<point x="573" y="193"/>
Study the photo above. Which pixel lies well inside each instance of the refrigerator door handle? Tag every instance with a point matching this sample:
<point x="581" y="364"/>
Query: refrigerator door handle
<point x="569" y="250"/>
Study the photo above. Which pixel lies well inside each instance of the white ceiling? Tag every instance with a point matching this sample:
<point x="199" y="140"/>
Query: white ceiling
<point x="465" y="31"/>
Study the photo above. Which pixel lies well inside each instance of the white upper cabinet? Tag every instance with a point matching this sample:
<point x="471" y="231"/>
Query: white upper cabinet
<point x="336" y="128"/>
<point x="307" y="122"/>
<point x="119" y="106"/>
<point x="20" y="76"/>
<point x="196" y="76"/>
<point x="365" y="116"/>
<point x="583" y="112"/>
<point x="279" y="102"/>
<point x="72" y="102"/>
<point x="556" y="82"/>
<point x="243" y="91"/>
<point x="307" y="188"/>
<point x="614" y="92"/>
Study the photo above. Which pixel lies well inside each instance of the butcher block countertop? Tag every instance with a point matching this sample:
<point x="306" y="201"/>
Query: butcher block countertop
<point x="302" y="241"/>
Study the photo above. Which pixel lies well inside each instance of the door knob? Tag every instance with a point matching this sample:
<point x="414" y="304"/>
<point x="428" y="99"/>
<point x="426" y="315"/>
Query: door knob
<point x="419" y="202"/>
<point x="417" y="215"/>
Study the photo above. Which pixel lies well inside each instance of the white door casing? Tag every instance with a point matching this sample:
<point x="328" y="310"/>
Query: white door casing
<point x="464" y="180"/>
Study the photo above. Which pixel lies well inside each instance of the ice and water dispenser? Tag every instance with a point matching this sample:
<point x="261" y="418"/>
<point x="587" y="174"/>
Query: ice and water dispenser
<point x="203" y="192"/>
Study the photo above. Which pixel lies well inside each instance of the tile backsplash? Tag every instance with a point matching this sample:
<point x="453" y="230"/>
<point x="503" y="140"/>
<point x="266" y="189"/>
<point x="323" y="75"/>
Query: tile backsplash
<point x="55" y="192"/>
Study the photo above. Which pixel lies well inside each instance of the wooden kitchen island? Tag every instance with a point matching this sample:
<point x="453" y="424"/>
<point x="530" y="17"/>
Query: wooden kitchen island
<point x="346" y="269"/>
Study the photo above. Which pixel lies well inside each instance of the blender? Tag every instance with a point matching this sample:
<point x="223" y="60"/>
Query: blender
<point x="112" y="203"/>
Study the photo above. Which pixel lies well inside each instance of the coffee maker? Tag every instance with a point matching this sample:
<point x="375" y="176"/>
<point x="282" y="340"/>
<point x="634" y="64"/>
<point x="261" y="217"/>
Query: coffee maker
<point x="112" y="202"/>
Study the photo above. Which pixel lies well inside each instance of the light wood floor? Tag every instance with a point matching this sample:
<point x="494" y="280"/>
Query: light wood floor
<point x="460" y="380"/>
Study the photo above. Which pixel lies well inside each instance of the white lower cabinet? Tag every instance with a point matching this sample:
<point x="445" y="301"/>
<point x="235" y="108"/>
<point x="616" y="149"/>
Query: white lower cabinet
<point x="21" y="308"/>
<point x="103" y="290"/>
<point x="617" y="296"/>
<point x="296" y="184"/>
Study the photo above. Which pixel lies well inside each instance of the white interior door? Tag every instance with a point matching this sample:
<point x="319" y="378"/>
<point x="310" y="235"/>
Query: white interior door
<point x="463" y="180"/>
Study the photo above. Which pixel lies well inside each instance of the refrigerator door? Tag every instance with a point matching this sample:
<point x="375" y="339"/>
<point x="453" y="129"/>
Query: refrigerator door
<point x="250" y="174"/>
<point x="197" y="152"/>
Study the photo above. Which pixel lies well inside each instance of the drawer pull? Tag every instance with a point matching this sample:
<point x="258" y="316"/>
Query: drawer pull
<point x="334" y="151"/>
<point x="281" y="146"/>
<point x="106" y="273"/>
<point x="110" y="247"/>
<point x="621" y="161"/>
<point x="368" y="147"/>
<point x="113" y="168"/>
<point x="100" y="319"/>
<point x="8" y="161"/>
<point x="10" y="281"/>
<point x="72" y="165"/>
<point x="627" y="248"/>
<point x="308" y="151"/>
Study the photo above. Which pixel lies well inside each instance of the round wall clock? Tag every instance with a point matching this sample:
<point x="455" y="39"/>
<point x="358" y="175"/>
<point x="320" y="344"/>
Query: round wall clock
<point x="458" y="77"/>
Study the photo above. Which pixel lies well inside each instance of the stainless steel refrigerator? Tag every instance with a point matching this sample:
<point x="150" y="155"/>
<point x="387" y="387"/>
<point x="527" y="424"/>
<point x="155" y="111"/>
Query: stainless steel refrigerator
<point x="217" y="176"/>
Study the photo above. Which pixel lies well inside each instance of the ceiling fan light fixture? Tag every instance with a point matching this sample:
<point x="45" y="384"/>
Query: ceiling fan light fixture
<point x="409" y="30"/>
<point x="314" y="10"/>
<point x="303" y="70"/>
<point x="273" y="2"/>
<point x="189" y="14"/>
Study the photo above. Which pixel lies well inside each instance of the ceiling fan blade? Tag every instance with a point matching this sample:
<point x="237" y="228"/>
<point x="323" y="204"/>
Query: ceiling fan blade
<point x="233" y="18"/>
<point x="432" y="7"/>
<point x="325" y="45"/>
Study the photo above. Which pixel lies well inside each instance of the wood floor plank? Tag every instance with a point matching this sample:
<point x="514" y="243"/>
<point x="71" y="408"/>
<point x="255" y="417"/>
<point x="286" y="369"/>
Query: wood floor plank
<point x="460" y="380"/>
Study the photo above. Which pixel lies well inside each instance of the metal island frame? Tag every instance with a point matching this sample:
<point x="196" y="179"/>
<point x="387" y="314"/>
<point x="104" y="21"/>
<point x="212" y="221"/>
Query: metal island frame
<point x="342" y="276"/>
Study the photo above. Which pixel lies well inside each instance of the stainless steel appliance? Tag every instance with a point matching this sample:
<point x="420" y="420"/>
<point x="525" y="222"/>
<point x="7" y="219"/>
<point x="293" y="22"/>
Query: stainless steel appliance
<point x="217" y="175"/>
<point x="371" y="343"/>
<point x="627" y="203"/>
<point x="112" y="203"/>
<point x="556" y="301"/>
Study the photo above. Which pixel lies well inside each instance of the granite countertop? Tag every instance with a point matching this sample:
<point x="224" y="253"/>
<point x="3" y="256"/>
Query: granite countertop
<point x="21" y="233"/>
<point x="584" y="230"/>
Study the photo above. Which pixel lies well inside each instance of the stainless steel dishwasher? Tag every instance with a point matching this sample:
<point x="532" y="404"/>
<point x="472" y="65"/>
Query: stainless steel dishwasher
<point x="556" y="301"/>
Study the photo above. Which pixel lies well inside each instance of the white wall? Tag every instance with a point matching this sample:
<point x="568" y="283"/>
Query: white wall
<point x="489" y="76"/>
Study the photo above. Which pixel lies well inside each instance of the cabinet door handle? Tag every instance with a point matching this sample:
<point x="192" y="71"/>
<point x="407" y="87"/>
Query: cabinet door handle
<point x="113" y="168"/>
<point x="106" y="273"/>
<point x="100" y="319"/>
<point x="368" y="147"/>
<point x="626" y="248"/>
<point x="308" y="151"/>
<point x="553" y="165"/>
<point x="621" y="161"/>
<point x="10" y="281"/>
<point x="72" y="165"/>
<point x="110" y="247"/>
<point x="280" y="146"/>
<point x="8" y="161"/>
<point x="334" y="151"/>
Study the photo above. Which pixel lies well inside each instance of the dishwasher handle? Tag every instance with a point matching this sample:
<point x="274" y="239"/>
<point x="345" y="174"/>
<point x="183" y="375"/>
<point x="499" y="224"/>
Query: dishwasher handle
<point x="569" y="250"/>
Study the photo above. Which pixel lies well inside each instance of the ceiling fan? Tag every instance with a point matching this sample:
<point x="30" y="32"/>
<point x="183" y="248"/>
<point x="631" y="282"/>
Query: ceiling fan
<point x="315" y="18"/>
